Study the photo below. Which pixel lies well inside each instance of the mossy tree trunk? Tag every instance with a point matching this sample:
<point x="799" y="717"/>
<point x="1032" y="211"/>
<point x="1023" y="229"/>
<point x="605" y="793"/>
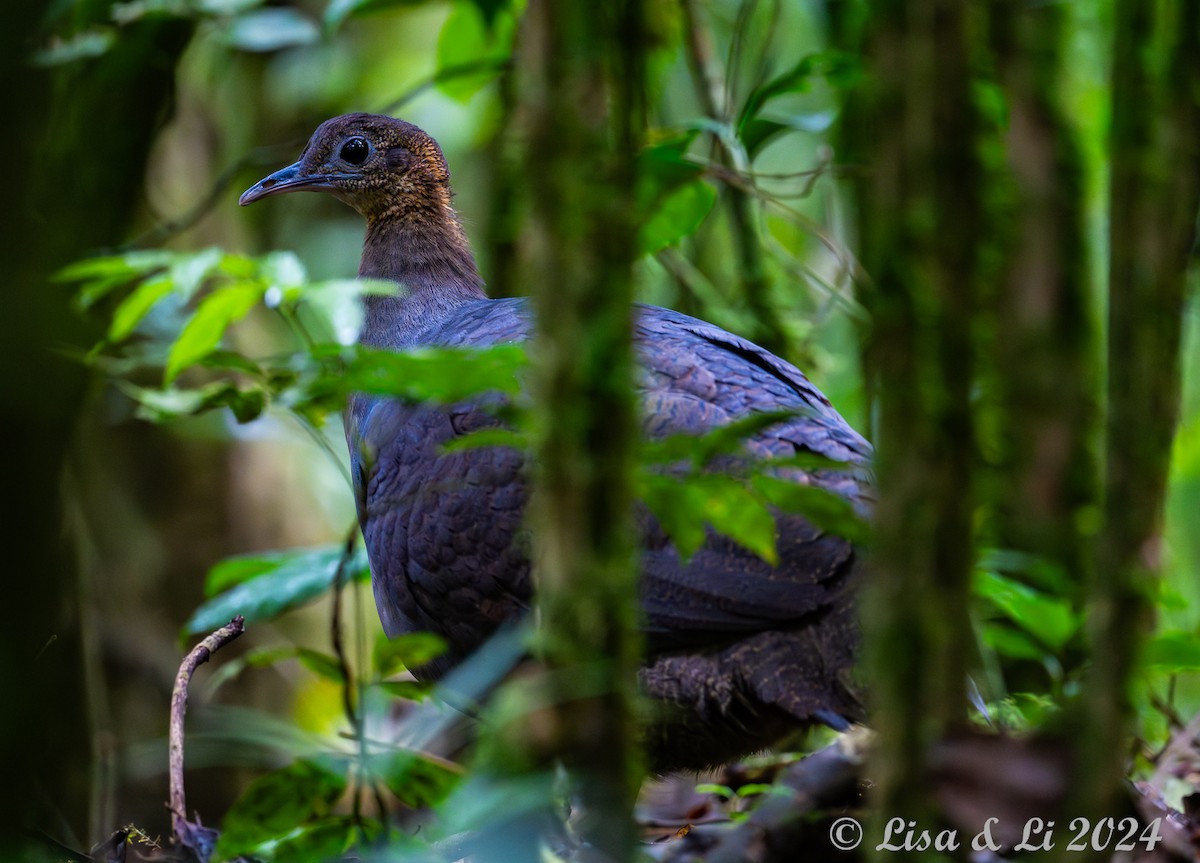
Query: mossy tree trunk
<point x="1042" y="338"/>
<point x="586" y="114"/>
<point x="1154" y="198"/>
<point x="81" y="135"/>
<point x="911" y="136"/>
<point x="911" y="133"/>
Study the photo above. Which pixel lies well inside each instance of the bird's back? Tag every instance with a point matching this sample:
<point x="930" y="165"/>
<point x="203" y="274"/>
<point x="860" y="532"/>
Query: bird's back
<point x="740" y="650"/>
<point x="449" y="546"/>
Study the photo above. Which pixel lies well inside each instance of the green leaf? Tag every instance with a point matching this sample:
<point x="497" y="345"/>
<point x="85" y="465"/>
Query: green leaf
<point x="678" y="214"/>
<point x="734" y="510"/>
<point x="271" y="29"/>
<point x="232" y="361"/>
<point x="324" y="840"/>
<point x="274" y="805"/>
<point x="168" y="403"/>
<point x="157" y="405"/>
<point x="188" y="272"/>
<point x="1173" y="651"/>
<point x="683" y="504"/>
<point x="205" y="329"/>
<point x="338" y="304"/>
<point x="294" y="579"/>
<point x="444" y="375"/>
<point x="416" y="779"/>
<point x="405" y="652"/>
<point x="1023" y="711"/>
<point x="338" y="11"/>
<point x="101" y="276"/>
<point x="411" y="690"/>
<point x="754" y="789"/>
<point x="725" y="439"/>
<point x="1044" y="574"/>
<point x="239" y="266"/>
<point x="838" y="68"/>
<point x="227" y="7"/>
<point x="723" y="791"/>
<point x="128" y="265"/>
<point x="679" y="509"/>
<point x="490" y="9"/>
<point x="664" y="166"/>
<point x="258" y="657"/>
<point x="137" y="305"/>
<point x="1007" y="640"/>
<point x="265" y="657"/>
<point x="795" y="79"/>
<point x="488" y="437"/>
<point x="283" y="270"/>
<point x="321" y="664"/>
<point x="1049" y="619"/>
<point x="826" y="510"/>
<point x="82" y="46"/>
<point x="680" y="503"/>
<point x="233" y="571"/>
<point x="757" y="132"/>
<point x="468" y="38"/>
<point x="246" y="404"/>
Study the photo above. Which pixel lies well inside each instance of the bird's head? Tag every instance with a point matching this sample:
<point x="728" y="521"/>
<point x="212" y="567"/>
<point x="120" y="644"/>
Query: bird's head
<point x="382" y="167"/>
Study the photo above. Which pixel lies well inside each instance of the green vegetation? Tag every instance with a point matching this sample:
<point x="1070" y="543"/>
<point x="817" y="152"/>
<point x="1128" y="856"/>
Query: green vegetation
<point x="972" y="225"/>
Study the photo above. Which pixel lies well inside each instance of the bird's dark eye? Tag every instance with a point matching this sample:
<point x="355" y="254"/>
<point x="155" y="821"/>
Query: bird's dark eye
<point x="355" y="151"/>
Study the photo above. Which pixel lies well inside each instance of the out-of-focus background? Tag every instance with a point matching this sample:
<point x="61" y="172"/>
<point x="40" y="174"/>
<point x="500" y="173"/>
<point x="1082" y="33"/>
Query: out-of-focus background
<point x="135" y="125"/>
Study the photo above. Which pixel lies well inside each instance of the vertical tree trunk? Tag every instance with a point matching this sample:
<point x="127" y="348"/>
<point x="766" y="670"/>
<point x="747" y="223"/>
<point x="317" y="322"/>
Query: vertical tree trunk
<point x="586" y="117"/>
<point x="85" y="133"/>
<point x="911" y="131"/>
<point x="1043" y="326"/>
<point x="1155" y="194"/>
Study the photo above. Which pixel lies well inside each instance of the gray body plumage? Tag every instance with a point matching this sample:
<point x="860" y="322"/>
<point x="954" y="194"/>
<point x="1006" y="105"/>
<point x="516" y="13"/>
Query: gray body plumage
<point x="739" y="651"/>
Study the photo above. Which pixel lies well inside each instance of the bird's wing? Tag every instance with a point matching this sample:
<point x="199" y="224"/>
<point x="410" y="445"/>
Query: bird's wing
<point x="444" y="529"/>
<point x="695" y="377"/>
<point x="425" y="512"/>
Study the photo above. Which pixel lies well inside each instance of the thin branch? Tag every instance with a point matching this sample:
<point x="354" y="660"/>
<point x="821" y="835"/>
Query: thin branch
<point x="705" y="77"/>
<point x="165" y="229"/>
<point x="762" y="65"/>
<point x="742" y="216"/>
<point x="351" y="696"/>
<point x="692" y="279"/>
<point x="842" y="297"/>
<point x="745" y="14"/>
<point x="446" y="73"/>
<point x="197" y="657"/>
<point x="349" y="682"/>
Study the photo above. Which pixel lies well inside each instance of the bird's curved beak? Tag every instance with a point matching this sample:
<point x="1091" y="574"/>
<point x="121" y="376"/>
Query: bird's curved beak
<point x="289" y="179"/>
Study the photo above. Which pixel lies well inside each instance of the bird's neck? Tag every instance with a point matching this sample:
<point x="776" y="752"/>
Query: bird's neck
<point x="432" y="262"/>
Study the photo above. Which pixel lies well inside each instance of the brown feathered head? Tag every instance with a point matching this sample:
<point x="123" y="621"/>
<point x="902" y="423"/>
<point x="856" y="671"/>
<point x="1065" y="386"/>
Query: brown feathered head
<point x="380" y="166"/>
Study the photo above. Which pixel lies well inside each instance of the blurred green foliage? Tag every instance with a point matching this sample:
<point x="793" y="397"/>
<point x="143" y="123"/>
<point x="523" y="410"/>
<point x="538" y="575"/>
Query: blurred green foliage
<point x="189" y="332"/>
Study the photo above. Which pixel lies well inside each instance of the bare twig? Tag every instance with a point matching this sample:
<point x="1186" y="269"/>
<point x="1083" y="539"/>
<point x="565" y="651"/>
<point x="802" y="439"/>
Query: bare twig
<point x="197" y="657"/>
